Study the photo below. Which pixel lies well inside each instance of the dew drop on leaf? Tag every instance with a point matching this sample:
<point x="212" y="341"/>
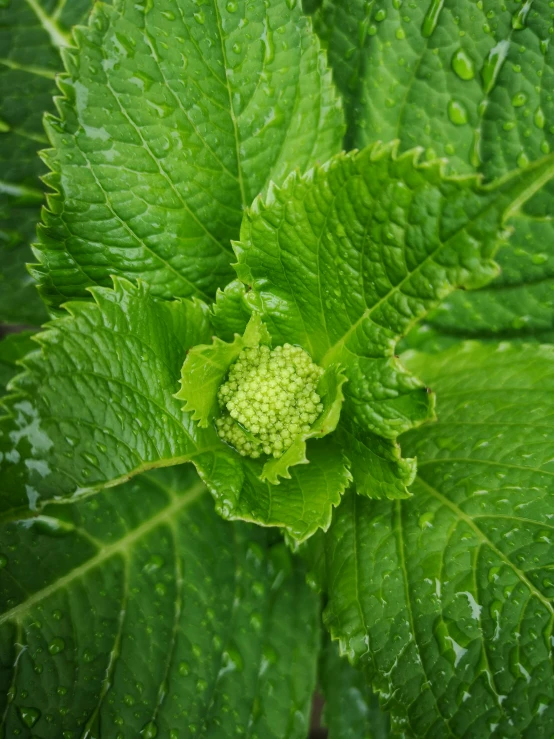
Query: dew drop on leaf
<point x="29" y="716"/>
<point x="380" y="15"/>
<point x="520" y="18"/>
<point x="291" y="4"/>
<point x="523" y="160"/>
<point x="431" y="18"/>
<point x="201" y="19"/>
<point x="457" y="112"/>
<point x="519" y="99"/>
<point x="3" y="561"/>
<point x="149" y="730"/>
<point x="493" y="64"/>
<point x="463" y="65"/>
<point x="539" y="118"/>
<point x="231" y="6"/>
<point x="400" y="34"/>
<point x="56" y="646"/>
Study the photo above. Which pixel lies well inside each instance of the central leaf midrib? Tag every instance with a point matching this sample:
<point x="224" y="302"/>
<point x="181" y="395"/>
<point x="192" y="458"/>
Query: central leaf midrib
<point x="107" y="552"/>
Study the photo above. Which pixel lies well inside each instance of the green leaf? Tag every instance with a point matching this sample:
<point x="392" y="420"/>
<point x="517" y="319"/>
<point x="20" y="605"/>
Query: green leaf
<point x="205" y="368"/>
<point x="31" y="34"/>
<point x="351" y="709"/>
<point x="96" y="406"/>
<point x="13" y="348"/>
<point x="140" y="611"/>
<point x="230" y="311"/>
<point x="344" y="260"/>
<point x="173" y="119"/>
<point x="447" y="598"/>
<point x="466" y="82"/>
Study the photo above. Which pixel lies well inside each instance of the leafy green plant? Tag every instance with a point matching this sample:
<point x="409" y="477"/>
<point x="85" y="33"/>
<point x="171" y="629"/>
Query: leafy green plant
<point x="222" y="488"/>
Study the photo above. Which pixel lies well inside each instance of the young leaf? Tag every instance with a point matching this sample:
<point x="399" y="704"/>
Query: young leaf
<point x="446" y="597"/>
<point x="163" y="138"/>
<point x="344" y="260"/>
<point x="230" y="311"/>
<point x="153" y="617"/>
<point x="206" y="366"/>
<point x="487" y="69"/>
<point x="95" y="406"/>
<point x="30" y="41"/>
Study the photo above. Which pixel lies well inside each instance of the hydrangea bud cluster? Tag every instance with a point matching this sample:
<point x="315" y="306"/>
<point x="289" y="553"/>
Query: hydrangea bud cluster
<point x="268" y="399"/>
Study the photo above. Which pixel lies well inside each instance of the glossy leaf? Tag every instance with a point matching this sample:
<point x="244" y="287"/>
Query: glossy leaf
<point x="13" y="348"/>
<point x="31" y="35"/>
<point x="344" y="260"/>
<point x="351" y="709"/>
<point x="174" y="117"/>
<point x="96" y="405"/>
<point x="139" y="612"/>
<point x="447" y="598"/>
<point x="466" y="81"/>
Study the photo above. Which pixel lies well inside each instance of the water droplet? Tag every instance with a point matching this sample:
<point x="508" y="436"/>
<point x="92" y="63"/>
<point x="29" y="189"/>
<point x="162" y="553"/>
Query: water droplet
<point x="519" y="99"/>
<point x="544" y="45"/>
<point x="237" y="48"/>
<point x="520" y="18"/>
<point x="431" y="17"/>
<point x="61" y="690"/>
<point x="128" y="699"/>
<point x="457" y="112"/>
<point x="380" y="15"/>
<point x="523" y="160"/>
<point x="493" y="64"/>
<point x="56" y="646"/>
<point x="509" y="125"/>
<point x="88" y="655"/>
<point x="291" y="4"/>
<point x="199" y="18"/>
<point x="3" y="561"/>
<point x="540" y="119"/>
<point x="149" y="730"/>
<point x="153" y="564"/>
<point x="463" y="65"/>
<point x="168" y="14"/>
<point x="545" y="147"/>
<point x="400" y="34"/>
<point x="160" y="588"/>
<point x="231" y="6"/>
<point x="57" y="615"/>
<point x="267" y="38"/>
<point x="201" y="685"/>
<point x="184" y="669"/>
<point x="29" y="716"/>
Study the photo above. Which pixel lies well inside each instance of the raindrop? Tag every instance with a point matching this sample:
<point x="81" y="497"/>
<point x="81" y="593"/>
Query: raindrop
<point x="56" y="646"/>
<point x="3" y="561"/>
<point x="160" y="588"/>
<point x="523" y="160"/>
<point x="184" y="669"/>
<point x="520" y="18"/>
<point x="29" y="716"/>
<point x="493" y="64"/>
<point x="57" y="615"/>
<point x="540" y="119"/>
<point x="153" y="564"/>
<point x="291" y="4"/>
<point x="149" y="730"/>
<point x="168" y="14"/>
<point x="457" y="113"/>
<point x="231" y="6"/>
<point x="400" y="34"/>
<point x="237" y="48"/>
<point x="431" y="17"/>
<point x="519" y="99"/>
<point x="128" y="700"/>
<point x="463" y="65"/>
<point x="199" y="18"/>
<point x="380" y="15"/>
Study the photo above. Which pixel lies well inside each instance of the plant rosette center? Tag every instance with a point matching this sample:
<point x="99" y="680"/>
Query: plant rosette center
<point x="269" y="399"/>
<point x="265" y="402"/>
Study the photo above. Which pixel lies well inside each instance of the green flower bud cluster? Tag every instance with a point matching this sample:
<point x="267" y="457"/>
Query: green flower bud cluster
<point x="268" y="399"/>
